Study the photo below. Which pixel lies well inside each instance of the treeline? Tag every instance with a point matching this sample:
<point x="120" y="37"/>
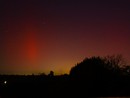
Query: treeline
<point x="93" y="77"/>
<point x="102" y="76"/>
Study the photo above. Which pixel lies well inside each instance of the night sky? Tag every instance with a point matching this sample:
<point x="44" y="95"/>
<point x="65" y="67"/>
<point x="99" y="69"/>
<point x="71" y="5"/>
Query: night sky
<point x="43" y="35"/>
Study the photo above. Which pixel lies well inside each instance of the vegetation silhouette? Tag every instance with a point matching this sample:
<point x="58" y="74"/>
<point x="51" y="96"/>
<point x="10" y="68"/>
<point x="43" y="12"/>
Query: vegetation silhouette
<point x="93" y="77"/>
<point x="51" y="74"/>
<point x="99" y="75"/>
<point x="98" y="67"/>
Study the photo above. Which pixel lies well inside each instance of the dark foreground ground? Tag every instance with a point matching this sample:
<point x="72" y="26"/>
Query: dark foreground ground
<point x="59" y="87"/>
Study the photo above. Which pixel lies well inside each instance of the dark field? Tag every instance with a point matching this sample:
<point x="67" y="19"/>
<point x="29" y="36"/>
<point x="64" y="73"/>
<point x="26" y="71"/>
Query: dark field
<point x="59" y="87"/>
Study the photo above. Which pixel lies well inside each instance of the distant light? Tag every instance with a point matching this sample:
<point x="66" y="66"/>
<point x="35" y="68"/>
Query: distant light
<point x="5" y="82"/>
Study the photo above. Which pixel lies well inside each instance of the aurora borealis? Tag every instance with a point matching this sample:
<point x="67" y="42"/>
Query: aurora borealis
<point x="43" y="35"/>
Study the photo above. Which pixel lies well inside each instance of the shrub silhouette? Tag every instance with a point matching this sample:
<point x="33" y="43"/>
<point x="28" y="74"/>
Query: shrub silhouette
<point x="98" y="75"/>
<point x="98" y="67"/>
<point x="51" y="74"/>
<point x="89" y="67"/>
